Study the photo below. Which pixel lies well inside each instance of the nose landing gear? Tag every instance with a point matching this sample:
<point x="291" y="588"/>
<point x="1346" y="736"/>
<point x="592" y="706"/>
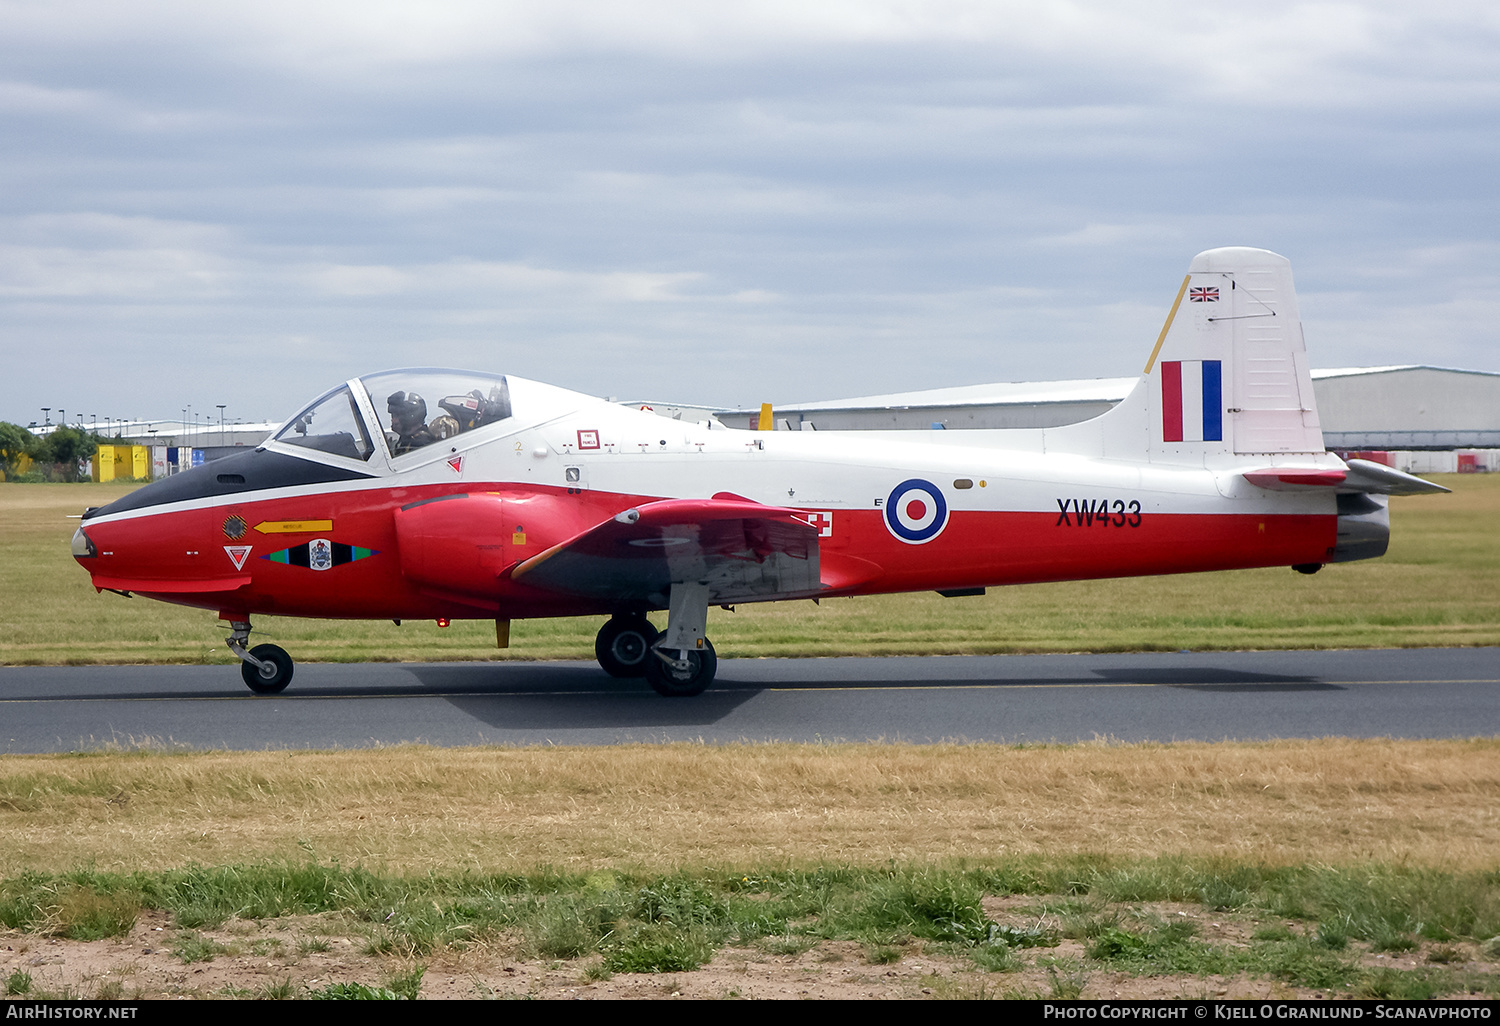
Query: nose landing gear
<point x="266" y="669"/>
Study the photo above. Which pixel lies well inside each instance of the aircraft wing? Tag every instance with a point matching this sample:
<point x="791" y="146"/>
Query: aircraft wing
<point x="741" y="549"/>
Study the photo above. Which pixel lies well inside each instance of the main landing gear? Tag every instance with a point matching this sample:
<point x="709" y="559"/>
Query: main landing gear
<point x="679" y="662"/>
<point x="266" y="669"/>
<point x="688" y="674"/>
<point x="623" y="646"/>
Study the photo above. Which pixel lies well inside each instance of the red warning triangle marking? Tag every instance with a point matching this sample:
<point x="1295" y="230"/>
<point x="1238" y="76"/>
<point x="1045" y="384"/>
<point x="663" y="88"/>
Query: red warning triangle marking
<point x="457" y="463"/>
<point x="238" y="554"/>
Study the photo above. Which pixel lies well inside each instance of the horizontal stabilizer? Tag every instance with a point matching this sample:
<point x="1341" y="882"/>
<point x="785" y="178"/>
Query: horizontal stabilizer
<point x="1367" y="476"/>
<point x="1358" y="476"/>
<point x="1286" y="479"/>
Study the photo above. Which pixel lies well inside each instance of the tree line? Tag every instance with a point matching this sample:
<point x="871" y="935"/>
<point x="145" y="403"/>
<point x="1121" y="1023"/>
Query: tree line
<point x="62" y="454"/>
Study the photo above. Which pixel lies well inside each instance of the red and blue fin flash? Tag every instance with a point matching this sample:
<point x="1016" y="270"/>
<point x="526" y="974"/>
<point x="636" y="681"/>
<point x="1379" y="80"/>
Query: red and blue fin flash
<point x="1192" y="401"/>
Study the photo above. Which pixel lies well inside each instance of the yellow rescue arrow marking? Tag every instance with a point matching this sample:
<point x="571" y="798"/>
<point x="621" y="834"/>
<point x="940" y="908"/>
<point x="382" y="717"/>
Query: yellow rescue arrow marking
<point x="293" y="526"/>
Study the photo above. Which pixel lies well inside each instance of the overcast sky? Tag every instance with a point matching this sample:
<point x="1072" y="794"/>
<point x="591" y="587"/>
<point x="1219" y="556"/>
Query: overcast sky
<point x="720" y="203"/>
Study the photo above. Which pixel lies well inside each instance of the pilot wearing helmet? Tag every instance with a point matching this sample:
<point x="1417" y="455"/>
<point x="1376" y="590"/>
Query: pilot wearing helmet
<point x="409" y="423"/>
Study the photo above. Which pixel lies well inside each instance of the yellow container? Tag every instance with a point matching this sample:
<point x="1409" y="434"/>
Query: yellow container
<point x="104" y="463"/>
<point x="114" y="462"/>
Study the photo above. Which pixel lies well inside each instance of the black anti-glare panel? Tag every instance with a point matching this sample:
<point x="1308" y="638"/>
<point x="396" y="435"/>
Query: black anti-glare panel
<point x="243" y="472"/>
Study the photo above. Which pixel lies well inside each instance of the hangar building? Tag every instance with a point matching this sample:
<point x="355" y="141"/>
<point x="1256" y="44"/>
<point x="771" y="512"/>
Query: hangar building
<point x="1407" y="407"/>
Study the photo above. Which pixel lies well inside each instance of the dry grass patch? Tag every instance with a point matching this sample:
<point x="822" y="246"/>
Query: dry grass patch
<point x="659" y="808"/>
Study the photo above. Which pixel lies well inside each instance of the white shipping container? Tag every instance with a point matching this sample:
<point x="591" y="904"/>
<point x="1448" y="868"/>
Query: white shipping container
<point x="1420" y="462"/>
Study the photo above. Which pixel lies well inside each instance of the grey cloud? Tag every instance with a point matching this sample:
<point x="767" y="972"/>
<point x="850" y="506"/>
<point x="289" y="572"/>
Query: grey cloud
<point x="777" y="201"/>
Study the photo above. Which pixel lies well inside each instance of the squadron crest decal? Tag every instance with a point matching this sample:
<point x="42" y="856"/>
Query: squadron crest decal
<point x="320" y="554"/>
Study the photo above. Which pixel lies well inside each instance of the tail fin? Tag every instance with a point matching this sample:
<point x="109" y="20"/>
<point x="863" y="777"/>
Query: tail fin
<point x="1228" y="375"/>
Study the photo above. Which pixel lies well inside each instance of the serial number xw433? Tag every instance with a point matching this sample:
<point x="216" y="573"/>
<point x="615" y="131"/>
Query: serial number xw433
<point x="1098" y="513"/>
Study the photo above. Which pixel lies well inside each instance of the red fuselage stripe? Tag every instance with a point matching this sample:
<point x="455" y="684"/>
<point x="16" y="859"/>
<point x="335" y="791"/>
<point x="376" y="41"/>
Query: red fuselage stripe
<point x="461" y="569"/>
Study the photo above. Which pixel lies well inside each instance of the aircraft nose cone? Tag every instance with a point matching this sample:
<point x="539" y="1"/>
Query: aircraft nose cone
<point x="82" y="547"/>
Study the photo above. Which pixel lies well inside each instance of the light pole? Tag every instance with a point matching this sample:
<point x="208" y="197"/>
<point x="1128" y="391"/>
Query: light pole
<point x="221" y="421"/>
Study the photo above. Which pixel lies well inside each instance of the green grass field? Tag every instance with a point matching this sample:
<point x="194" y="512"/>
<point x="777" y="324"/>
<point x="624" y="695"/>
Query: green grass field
<point x="1438" y="585"/>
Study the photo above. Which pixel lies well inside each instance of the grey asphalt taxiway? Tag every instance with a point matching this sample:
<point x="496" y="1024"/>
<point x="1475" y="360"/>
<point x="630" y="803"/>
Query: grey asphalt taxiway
<point x="1410" y="693"/>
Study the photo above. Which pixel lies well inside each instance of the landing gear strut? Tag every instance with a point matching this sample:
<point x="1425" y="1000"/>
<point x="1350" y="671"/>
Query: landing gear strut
<point x="623" y="646"/>
<point x="266" y="669"/>
<point x="682" y="662"/>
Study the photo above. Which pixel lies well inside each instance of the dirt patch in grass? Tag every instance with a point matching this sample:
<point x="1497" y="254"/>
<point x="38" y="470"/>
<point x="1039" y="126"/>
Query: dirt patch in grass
<point x="297" y="956"/>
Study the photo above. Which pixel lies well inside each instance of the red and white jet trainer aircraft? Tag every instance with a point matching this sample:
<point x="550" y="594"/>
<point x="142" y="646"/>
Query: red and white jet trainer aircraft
<point x="513" y="499"/>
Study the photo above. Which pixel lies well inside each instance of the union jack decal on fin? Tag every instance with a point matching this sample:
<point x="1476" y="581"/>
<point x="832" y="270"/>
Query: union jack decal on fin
<point x="1209" y="294"/>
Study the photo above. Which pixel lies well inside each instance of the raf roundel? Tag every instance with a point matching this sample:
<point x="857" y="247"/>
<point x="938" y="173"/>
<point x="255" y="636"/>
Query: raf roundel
<point x="915" y="511"/>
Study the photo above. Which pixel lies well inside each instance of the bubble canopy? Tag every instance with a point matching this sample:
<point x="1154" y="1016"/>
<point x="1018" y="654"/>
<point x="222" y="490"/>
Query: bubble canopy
<point x="415" y="407"/>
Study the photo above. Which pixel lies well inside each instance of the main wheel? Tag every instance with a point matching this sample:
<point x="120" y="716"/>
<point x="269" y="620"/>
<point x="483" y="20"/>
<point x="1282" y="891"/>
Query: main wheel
<point x="672" y="682"/>
<point x="271" y="677"/>
<point x="624" y="644"/>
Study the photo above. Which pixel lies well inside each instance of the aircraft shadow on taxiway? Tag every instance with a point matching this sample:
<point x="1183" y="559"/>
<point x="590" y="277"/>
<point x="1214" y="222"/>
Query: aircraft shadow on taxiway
<point x="585" y="692"/>
<point x="1208" y="679"/>
<point x="581" y="700"/>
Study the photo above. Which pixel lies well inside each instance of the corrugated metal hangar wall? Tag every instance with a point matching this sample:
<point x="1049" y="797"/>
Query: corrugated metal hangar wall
<point x="1411" y="407"/>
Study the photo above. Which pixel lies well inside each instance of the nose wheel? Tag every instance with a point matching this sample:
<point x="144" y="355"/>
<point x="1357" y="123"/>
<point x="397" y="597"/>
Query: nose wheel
<point x="274" y="672"/>
<point x="265" y="669"/>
